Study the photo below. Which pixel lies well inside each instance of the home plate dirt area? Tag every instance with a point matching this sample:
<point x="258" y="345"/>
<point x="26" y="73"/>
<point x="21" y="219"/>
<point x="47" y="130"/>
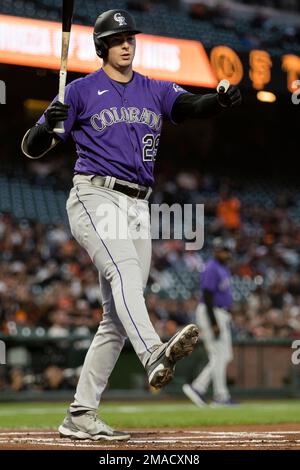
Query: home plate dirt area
<point x="253" y="437"/>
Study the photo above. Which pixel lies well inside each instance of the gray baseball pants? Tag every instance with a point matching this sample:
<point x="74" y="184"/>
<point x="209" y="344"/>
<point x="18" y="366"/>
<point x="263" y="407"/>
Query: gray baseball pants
<point x="122" y="259"/>
<point x="219" y="353"/>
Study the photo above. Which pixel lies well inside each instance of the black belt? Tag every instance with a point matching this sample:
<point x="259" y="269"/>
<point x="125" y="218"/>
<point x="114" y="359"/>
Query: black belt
<point x="139" y="193"/>
<point x="132" y="192"/>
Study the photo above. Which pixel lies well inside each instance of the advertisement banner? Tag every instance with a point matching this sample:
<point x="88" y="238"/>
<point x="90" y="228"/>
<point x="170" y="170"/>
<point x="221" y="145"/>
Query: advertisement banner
<point x="36" y="43"/>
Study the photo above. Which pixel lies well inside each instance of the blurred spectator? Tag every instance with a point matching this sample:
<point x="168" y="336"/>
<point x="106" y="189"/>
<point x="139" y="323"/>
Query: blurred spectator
<point x="17" y="383"/>
<point x="60" y="324"/>
<point x="228" y="211"/>
<point x="56" y="378"/>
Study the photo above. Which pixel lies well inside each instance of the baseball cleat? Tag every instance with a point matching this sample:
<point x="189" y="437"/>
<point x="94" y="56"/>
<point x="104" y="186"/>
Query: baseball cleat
<point x="89" y="426"/>
<point x="161" y="371"/>
<point x="193" y="395"/>
<point x="161" y="364"/>
<point x="219" y="403"/>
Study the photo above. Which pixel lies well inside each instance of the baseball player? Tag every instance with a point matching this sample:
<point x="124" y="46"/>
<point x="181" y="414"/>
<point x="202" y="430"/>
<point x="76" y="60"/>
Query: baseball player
<point x="213" y="318"/>
<point x="115" y="117"/>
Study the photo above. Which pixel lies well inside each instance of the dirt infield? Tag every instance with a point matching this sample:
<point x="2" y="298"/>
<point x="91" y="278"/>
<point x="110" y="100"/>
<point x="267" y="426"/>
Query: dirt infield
<point x="254" y="437"/>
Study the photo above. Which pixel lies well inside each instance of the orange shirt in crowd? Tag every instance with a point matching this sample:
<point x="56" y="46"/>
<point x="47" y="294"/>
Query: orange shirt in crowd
<point x="228" y="211"/>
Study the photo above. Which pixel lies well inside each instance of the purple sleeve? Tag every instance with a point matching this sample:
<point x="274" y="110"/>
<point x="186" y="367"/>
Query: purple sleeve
<point x="169" y="92"/>
<point x="71" y="98"/>
<point x="209" y="278"/>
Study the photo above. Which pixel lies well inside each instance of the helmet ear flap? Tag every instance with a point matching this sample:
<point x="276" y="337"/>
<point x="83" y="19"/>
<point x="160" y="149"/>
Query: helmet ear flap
<point x="101" y="47"/>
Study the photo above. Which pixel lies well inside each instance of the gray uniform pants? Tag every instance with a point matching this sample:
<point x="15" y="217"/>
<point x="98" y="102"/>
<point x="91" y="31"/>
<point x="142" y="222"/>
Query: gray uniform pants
<point x="219" y="353"/>
<point x="123" y="262"/>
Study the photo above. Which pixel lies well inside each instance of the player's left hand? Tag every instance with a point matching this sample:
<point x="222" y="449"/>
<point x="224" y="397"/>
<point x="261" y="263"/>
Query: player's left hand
<point x="231" y="98"/>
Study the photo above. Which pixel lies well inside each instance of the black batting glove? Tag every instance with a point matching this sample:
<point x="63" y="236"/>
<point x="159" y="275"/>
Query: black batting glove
<point x="231" y="98"/>
<point x="56" y="112"/>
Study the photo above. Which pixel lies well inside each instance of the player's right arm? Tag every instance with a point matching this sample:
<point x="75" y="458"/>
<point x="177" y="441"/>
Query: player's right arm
<point x="41" y="138"/>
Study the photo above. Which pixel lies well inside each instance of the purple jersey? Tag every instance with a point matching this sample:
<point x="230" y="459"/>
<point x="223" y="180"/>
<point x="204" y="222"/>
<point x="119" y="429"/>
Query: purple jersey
<point x="117" y="127"/>
<point x="217" y="279"/>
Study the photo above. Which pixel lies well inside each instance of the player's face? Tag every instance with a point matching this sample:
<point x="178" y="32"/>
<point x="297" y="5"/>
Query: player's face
<point x="223" y="256"/>
<point x="121" y="50"/>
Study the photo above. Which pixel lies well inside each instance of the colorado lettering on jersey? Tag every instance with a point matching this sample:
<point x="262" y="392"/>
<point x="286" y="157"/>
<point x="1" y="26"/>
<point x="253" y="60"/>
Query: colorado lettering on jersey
<point x="128" y="118"/>
<point x="113" y="115"/>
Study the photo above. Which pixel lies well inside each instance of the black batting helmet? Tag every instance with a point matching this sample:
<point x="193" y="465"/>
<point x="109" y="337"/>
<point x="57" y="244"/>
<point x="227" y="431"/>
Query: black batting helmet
<point x="112" y="22"/>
